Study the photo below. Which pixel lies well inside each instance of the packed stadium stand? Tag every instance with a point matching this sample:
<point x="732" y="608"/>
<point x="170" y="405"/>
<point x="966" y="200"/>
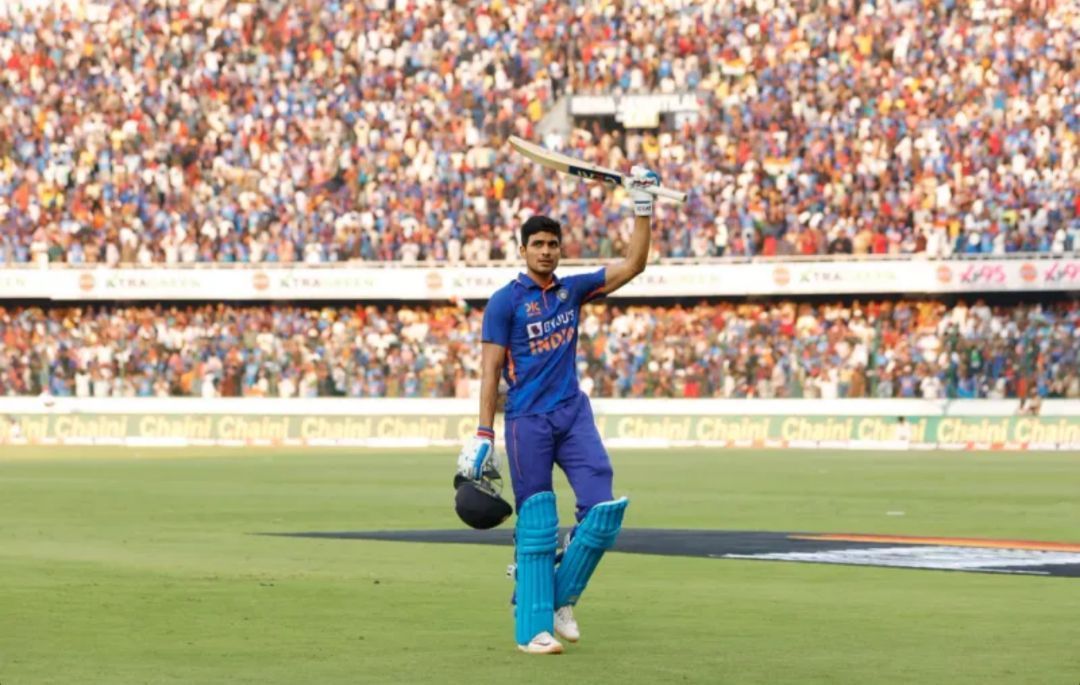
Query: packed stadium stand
<point x="152" y="135"/>
<point x="175" y="132"/>
<point x="905" y="348"/>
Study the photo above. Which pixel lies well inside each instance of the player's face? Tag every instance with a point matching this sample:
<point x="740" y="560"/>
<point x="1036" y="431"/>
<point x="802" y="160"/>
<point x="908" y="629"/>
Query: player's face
<point x="541" y="253"/>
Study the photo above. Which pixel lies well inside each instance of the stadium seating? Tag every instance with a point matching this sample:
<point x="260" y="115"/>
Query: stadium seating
<point x="329" y="131"/>
<point x="904" y="348"/>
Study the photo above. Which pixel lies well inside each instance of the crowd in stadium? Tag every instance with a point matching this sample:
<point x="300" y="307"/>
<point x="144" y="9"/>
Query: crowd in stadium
<point x="905" y="348"/>
<point x="149" y="131"/>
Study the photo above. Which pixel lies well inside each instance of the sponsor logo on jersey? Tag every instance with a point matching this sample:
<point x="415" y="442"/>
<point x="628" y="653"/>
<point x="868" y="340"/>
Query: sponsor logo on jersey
<point x="537" y="329"/>
<point x="548" y="335"/>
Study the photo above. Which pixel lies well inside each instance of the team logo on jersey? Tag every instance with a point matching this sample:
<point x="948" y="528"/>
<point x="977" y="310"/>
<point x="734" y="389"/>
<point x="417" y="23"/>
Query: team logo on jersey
<point x="563" y="294"/>
<point x="532" y="309"/>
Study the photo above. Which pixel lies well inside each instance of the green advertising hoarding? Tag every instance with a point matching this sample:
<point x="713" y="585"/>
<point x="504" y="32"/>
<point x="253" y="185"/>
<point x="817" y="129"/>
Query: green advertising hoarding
<point x="621" y="427"/>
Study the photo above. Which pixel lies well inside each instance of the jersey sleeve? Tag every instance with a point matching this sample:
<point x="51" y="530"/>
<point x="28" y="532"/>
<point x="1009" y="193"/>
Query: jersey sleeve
<point x="587" y="287"/>
<point x="498" y="316"/>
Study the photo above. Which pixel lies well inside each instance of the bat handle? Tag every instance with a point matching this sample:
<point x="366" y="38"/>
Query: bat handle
<point x="668" y="193"/>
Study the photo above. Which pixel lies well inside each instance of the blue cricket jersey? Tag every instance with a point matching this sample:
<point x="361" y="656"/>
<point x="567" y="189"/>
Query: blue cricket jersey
<point x="538" y="327"/>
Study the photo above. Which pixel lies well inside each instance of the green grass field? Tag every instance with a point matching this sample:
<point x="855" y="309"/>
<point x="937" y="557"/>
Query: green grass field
<point x="138" y="566"/>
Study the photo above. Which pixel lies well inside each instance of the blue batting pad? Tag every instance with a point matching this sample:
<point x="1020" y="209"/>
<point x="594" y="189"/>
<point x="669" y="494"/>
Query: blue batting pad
<point x="536" y="537"/>
<point x="594" y="535"/>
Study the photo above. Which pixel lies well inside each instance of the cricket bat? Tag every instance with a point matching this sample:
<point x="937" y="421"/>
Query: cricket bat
<point x="575" y="167"/>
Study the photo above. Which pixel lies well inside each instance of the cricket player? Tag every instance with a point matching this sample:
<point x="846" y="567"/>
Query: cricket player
<point x="530" y="338"/>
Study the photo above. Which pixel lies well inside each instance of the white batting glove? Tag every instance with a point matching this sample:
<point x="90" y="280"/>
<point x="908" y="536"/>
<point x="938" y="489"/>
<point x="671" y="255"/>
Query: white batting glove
<point x="478" y="455"/>
<point x="642" y="177"/>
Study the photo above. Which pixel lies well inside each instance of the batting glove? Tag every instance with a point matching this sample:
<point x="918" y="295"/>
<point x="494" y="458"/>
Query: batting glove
<point x="641" y="177"/>
<point x="478" y="456"/>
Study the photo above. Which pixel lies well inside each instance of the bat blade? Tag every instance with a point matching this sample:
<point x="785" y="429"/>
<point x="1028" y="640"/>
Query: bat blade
<point x="576" y="167"/>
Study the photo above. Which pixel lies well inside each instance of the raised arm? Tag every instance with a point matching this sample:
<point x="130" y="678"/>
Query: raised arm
<point x="637" y="253"/>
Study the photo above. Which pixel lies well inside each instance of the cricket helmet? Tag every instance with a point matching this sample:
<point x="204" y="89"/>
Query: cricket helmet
<point x="479" y="503"/>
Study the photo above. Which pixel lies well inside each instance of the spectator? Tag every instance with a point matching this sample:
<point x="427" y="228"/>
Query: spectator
<point x="323" y="132"/>
<point x="1030" y="405"/>
<point x="901" y="348"/>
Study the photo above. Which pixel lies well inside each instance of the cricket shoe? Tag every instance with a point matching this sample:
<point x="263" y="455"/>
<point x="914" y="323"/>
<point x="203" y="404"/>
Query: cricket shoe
<point x="565" y="625"/>
<point x="543" y="643"/>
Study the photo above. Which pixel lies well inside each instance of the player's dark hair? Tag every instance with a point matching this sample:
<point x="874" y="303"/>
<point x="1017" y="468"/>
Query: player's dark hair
<point x="540" y="224"/>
